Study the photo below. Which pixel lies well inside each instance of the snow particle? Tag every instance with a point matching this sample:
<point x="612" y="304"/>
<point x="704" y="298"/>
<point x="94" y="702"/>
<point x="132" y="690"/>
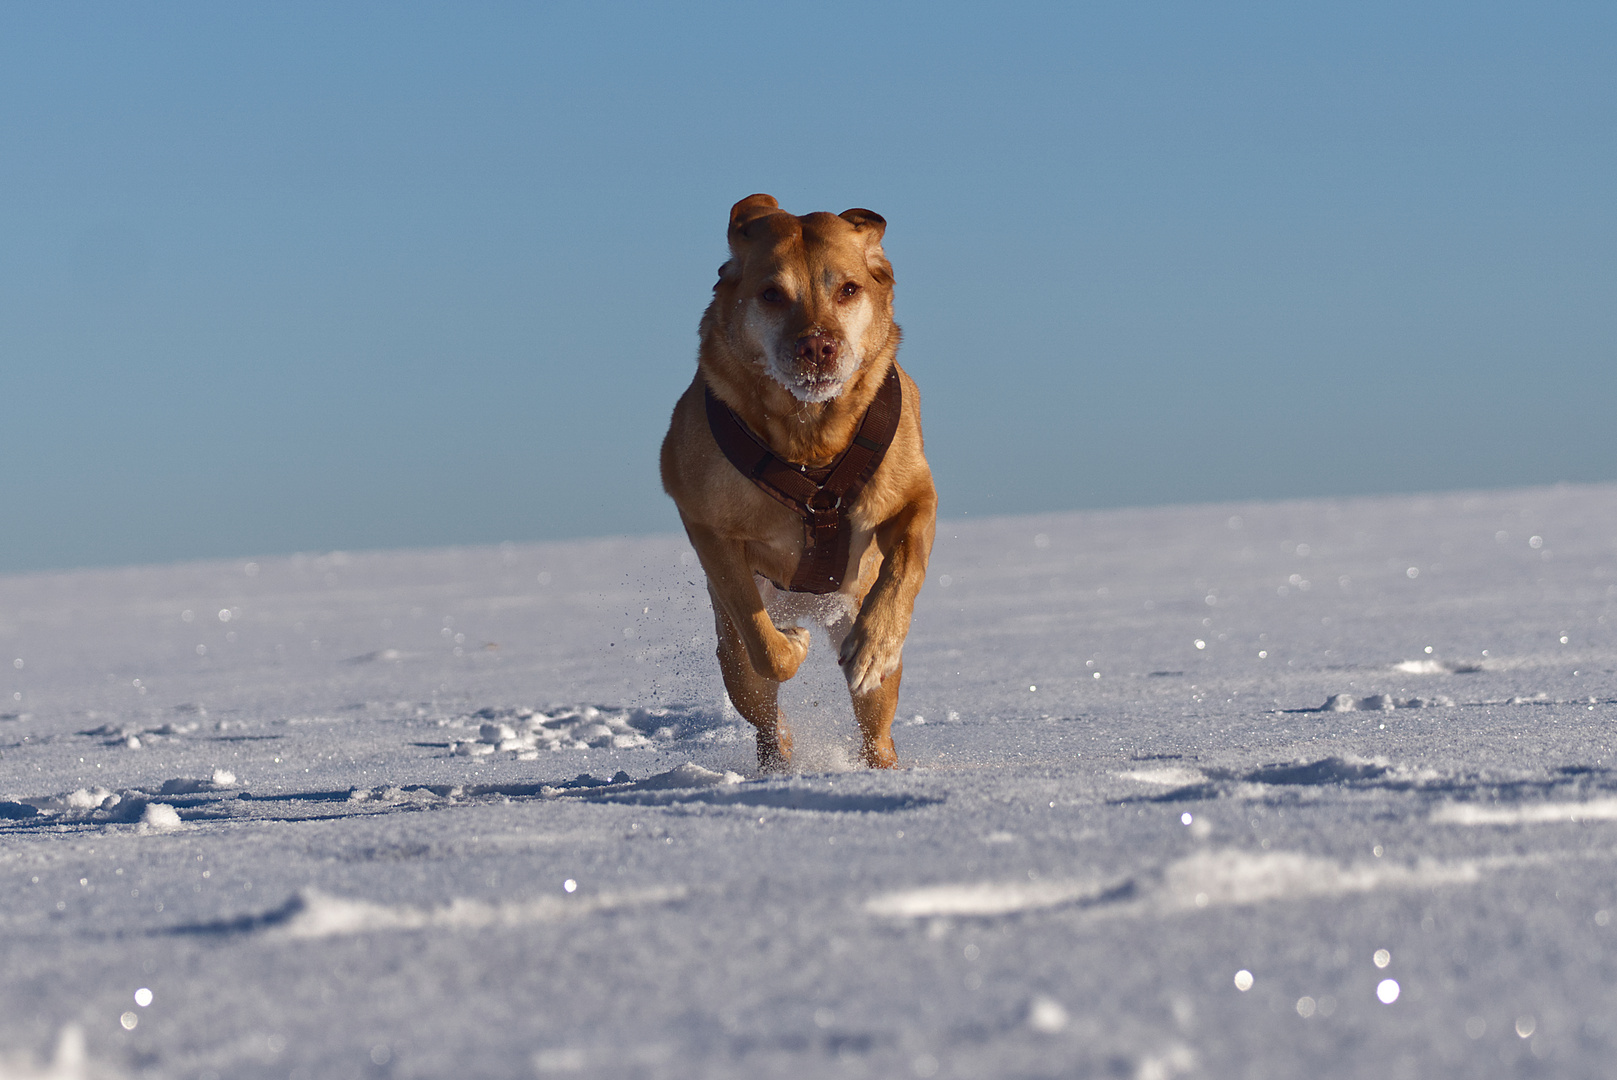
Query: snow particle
<point x="569" y="886"/>
<point x="1042" y="540"/>
<point x="202" y="650"/>
<point x="224" y="614"/>
<point x="143" y="997"/>
<point x="1200" y="644"/>
<point x="1243" y="980"/>
<point x="1305" y="1007"/>
<point x="1535" y="542"/>
<point x="1186" y="818"/>
<point x="1097" y="674"/>
<point x="1377" y="851"/>
<point x="1263" y="654"/>
<point x="1046" y="1015"/>
<point x="1525" y="1026"/>
<point x="1563" y="639"/>
<point x="1234" y="522"/>
<point x="381" y="1054"/>
<point x="1035" y="689"/>
<point x="129" y="1020"/>
<point x="1387" y="991"/>
<point x="187" y="615"/>
<point x="1413" y="572"/>
<point x="945" y="580"/>
<point x="1382" y="958"/>
<point x="17" y="663"/>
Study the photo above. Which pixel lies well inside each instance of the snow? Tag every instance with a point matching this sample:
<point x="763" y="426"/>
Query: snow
<point x="1189" y="791"/>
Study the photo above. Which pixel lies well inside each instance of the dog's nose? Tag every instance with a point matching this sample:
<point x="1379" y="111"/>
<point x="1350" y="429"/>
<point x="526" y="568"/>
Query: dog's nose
<point x="818" y="348"/>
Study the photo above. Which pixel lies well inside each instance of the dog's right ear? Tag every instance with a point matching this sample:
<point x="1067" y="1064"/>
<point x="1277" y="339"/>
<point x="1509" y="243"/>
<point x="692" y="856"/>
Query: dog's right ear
<point x="749" y="210"/>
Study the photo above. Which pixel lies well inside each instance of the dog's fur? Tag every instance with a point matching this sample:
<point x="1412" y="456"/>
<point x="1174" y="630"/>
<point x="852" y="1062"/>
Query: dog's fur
<point x="797" y="340"/>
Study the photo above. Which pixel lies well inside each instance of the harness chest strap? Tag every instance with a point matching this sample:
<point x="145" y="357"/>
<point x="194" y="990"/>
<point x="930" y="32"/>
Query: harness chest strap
<point x="819" y="496"/>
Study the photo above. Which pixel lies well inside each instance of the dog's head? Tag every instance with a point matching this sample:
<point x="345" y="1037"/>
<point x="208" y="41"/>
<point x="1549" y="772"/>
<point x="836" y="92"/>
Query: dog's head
<point x="808" y="299"/>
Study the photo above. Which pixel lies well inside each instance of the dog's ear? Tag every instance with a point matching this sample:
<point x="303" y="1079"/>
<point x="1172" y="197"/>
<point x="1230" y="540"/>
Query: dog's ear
<point x="873" y="227"/>
<point x="749" y="210"/>
<point x="863" y="219"/>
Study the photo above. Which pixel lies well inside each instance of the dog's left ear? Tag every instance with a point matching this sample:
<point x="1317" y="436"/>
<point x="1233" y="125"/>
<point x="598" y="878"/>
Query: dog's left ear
<point x="873" y="227"/>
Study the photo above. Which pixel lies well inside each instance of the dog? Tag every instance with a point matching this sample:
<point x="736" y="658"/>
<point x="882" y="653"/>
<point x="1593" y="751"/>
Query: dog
<point x="796" y="461"/>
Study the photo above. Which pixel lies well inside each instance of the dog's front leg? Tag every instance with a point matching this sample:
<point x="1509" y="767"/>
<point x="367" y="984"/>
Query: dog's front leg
<point x="774" y="652"/>
<point x="874" y="648"/>
<point x="755" y="697"/>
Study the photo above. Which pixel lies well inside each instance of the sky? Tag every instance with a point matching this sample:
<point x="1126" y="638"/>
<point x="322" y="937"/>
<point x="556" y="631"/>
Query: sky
<point x="304" y="277"/>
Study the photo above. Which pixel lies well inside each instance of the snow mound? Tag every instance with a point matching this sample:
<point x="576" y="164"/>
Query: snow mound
<point x="131" y="735"/>
<point x="1172" y="776"/>
<point x="688" y="775"/>
<point x="1224" y="878"/>
<point x="1211" y="782"/>
<point x="979" y="898"/>
<point x="680" y="778"/>
<point x="1239" y="878"/>
<point x="1428" y="666"/>
<point x="1604" y="809"/>
<point x="1382" y="703"/>
<point x="221" y="780"/>
<point x="311" y="914"/>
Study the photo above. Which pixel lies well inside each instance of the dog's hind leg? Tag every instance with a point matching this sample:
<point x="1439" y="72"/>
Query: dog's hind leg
<point x="755" y="697"/>
<point x="874" y="712"/>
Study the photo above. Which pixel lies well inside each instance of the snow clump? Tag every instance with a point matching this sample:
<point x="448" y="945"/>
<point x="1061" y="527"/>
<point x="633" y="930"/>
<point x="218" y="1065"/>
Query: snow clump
<point x="159" y="817"/>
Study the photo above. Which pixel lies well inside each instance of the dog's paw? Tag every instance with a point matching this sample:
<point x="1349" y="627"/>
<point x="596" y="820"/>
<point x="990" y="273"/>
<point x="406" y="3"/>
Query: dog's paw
<point x="867" y="659"/>
<point x="785" y="659"/>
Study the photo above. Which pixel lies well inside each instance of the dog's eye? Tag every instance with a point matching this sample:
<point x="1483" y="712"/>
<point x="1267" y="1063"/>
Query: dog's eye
<point x="771" y="295"/>
<point x="849" y="291"/>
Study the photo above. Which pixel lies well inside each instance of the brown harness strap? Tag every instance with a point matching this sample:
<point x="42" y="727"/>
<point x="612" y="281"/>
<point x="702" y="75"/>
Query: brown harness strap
<point x="819" y="496"/>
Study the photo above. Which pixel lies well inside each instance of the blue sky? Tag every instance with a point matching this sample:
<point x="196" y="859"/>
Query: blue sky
<point x="312" y="276"/>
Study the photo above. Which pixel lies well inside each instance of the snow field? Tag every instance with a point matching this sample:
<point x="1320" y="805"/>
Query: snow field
<point x="1197" y="791"/>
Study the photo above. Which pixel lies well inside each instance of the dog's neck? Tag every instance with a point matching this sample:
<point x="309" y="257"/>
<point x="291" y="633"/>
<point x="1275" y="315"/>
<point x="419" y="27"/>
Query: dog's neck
<point x="812" y="434"/>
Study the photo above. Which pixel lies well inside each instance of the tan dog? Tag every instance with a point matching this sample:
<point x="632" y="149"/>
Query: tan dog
<point x="797" y="348"/>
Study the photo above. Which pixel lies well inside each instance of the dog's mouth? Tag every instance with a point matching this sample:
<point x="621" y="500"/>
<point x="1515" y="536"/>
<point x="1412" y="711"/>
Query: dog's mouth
<point x="819" y="382"/>
<point x="813" y="384"/>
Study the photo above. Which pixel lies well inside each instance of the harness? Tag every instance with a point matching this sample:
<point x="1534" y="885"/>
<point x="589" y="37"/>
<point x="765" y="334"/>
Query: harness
<point x="820" y="497"/>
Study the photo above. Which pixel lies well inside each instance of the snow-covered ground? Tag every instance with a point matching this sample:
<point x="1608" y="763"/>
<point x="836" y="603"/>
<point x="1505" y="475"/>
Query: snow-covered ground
<point x="483" y="813"/>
